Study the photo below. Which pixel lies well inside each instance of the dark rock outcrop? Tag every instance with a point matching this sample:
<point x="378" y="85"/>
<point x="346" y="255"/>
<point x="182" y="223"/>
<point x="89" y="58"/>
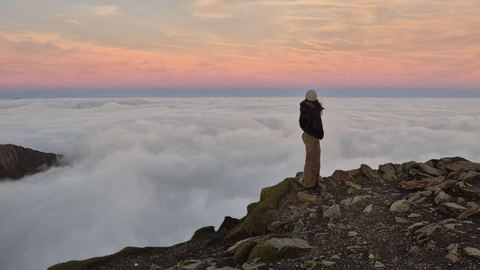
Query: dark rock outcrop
<point x="17" y="161"/>
<point x="401" y="216"/>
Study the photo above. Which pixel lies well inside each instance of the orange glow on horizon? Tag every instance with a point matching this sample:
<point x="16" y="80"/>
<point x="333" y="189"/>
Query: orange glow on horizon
<point x="254" y="44"/>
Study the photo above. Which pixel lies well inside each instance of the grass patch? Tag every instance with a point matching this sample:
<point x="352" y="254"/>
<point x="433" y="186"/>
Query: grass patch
<point x="77" y="265"/>
<point x="258" y="214"/>
<point x="243" y="252"/>
<point x="91" y="264"/>
<point x="202" y="232"/>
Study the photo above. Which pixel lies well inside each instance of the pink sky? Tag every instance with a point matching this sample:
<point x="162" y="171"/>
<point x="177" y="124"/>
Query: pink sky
<point x="239" y="43"/>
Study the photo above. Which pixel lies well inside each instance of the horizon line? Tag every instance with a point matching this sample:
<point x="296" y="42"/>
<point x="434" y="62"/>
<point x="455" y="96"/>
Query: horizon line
<point x="236" y="93"/>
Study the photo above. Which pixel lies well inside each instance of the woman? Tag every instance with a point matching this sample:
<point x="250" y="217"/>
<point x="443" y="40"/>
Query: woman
<point x="311" y="123"/>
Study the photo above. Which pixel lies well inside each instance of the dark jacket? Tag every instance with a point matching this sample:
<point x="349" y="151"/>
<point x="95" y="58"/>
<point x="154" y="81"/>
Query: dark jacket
<point x="310" y="119"/>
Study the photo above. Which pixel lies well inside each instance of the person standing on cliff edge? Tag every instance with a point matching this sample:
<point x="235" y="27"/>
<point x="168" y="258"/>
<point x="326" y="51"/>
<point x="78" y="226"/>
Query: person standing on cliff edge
<point x="311" y="123"/>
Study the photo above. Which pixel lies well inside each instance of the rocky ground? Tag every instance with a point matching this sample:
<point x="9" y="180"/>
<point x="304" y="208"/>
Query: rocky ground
<point x="17" y="161"/>
<point x="401" y="216"/>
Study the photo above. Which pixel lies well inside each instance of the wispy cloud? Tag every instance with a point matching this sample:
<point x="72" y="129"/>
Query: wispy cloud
<point x="299" y="18"/>
<point x="307" y="3"/>
<point x="174" y="46"/>
<point x="300" y="50"/>
<point x="315" y="44"/>
<point x="74" y="22"/>
<point x="204" y="3"/>
<point x="238" y="56"/>
<point x="275" y="41"/>
<point x="106" y="10"/>
<point x="347" y="41"/>
<point x="211" y="15"/>
<point x="229" y="44"/>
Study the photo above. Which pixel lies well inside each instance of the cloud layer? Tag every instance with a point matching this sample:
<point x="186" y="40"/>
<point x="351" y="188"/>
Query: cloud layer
<point x="149" y="172"/>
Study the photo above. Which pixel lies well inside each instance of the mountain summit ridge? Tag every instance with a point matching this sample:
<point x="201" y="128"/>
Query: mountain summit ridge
<point x="399" y="216"/>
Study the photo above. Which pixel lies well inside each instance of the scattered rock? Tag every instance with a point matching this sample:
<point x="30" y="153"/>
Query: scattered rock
<point x="346" y="201"/>
<point x="342" y="176"/>
<point x="326" y="196"/>
<point x="328" y="263"/>
<point x="421" y="184"/>
<point x="333" y="212"/>
<point x="467" y="192"/>
<point x="462" y="166"/>
<point x="417" y="225"/>
<point x="450" y="227"/>
<point x="192" y="265"/>
<point x="276" y="225"/>
<point x="352" y="185"/>
<point x="281" y="243"/>
<point x="387" y="169"/>
<point x="471" y="204"/>
<point x="389" y="178"/>
<point x="299" y="226"/>
<point x="472" y="252"/>
<point x="413" y="215"/>
<point x="307" y="197"/>
<point x="401" y="220"/>
<point x="371" y="174"/>
<point x="468" y="176"/>
<point x="253" y="265"/>
<point x="442" y="197"/>
<point x="454" y="207"/>
<point x="352" y="234"/>
<point x="155" y="267"/>
<point x="234" y="248"/>
<point x="415" y="250"/>
<point x="378" y="265"/>
<point x="429" y="170"/>
<point x="407" y="166"/>
<point x="368" y="209"/>
<point x="358" y="199"/>
<point x="453" y="254"/>
<point x="470" y="212"/>
<point x="400" y="206"/>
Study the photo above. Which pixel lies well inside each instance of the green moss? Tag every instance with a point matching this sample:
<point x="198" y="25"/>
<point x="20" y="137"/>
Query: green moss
<point x="265" y="253"/>
<point x="258" y="216"/>
<point x="202" y="232"/>
<point x="243" y="252"/>
<point x="228" y="224"/>
<point x="137" y="250"/>
<point x="90" y="264"/>
<point x="77" y="265"/>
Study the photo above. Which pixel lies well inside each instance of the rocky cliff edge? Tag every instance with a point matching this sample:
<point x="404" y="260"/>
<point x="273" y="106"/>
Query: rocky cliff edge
<point x="400" y="216"/>
<point x="17" y="162"/>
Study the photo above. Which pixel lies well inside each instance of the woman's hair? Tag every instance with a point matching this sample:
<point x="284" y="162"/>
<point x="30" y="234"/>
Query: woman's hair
<point x="320" y="105"/>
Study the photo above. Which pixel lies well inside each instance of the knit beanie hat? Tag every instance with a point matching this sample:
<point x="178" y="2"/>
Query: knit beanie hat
<point x="311" y="95"/>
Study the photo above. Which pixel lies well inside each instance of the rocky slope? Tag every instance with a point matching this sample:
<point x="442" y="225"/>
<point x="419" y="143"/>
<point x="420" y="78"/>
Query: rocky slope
<point x="401" y="216"/>
<point x="17" y="161"/>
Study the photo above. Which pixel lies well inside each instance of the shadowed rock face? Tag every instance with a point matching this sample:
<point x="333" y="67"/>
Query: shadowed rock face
<point x="17" y="161"/>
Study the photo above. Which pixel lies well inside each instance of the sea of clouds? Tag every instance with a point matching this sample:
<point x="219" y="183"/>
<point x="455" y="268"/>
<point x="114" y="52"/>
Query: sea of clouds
<point x="149" y="172"/>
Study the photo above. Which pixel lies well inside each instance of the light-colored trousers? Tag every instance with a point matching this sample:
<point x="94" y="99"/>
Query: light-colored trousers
<point x="311" y="171"/>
